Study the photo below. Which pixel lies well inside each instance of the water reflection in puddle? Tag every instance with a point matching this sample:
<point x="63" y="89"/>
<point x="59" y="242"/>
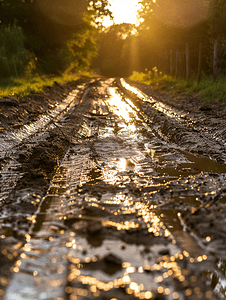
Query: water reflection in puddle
<point x="135" y="270"/>
<point x="167" y="110"/>
<point x="94" y="175"/>
<point x="102" y="225"/>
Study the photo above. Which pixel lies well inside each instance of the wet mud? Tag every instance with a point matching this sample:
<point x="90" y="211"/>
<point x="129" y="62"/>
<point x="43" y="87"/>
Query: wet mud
<point x="15" y="112"/>
<point x="119" y="196"/>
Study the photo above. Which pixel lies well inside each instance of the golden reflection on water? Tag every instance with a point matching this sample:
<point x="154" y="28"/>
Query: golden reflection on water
<point x="120" y="198"/>
<point x="122" y="165"/>
<point x="132" y="89"/>
<point x="95" y="286"/>
<point x="168" y="266"/>
<point x="132" y="127"/>
<point x="111" y="173"/>
<point x="121" y="109"/>
<point x="122" y="225"/>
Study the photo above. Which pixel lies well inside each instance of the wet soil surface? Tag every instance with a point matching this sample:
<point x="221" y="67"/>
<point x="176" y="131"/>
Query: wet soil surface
<point x="112" y="192"/>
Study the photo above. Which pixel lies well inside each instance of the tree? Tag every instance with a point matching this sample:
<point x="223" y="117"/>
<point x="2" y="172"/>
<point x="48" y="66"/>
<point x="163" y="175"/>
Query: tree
<point x="177" y="13"/>
<point x="15" y="59"/>
<point x="111" y="43"/>
<point x="99" y="9"/>
<point x="166" y="28"/>
<point x="217" y="20"/>
<point x="52" y="26"/>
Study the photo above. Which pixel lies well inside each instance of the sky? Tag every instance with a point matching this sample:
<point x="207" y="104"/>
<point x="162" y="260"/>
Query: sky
<point x="124" y="11"/>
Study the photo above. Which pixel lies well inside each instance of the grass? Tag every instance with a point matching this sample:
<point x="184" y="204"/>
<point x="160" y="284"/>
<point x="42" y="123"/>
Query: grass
<point x="21" y="87"/>
<point x="206" y="89"/>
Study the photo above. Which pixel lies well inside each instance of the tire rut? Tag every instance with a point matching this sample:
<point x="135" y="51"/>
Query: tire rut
<point x="112" y="222"/>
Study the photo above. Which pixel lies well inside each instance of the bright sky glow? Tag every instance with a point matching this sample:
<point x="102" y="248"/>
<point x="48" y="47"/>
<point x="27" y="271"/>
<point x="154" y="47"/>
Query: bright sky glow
<point x="124" y="11"/>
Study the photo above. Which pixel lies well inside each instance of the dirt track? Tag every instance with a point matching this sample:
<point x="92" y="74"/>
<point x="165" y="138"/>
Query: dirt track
<point x="112" y="194"/>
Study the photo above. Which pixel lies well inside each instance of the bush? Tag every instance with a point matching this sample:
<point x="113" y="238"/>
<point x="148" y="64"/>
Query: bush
<point x="15" y="59"/>
<point x="75" y="56"/>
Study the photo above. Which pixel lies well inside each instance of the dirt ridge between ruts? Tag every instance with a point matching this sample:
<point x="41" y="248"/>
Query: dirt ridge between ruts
<point x="190" y="135"/>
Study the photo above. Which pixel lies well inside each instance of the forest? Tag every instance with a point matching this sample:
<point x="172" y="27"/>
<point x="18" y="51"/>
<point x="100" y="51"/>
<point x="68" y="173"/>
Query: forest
<point x="167" y="30"/>
<point x="48" y="37"/>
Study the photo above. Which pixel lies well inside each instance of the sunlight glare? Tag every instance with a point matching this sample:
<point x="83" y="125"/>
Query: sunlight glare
<point x="121" y="108"/>
<point x="124" y="11"/>
<point x="122" y="165"/>
<point x="132" y="127"/>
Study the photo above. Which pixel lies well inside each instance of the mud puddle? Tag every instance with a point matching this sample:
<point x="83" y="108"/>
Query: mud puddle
<point x="114" y="222"/>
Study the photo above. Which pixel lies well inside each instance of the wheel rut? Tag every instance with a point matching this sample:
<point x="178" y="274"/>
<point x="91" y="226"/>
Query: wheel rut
<point x="120" y="215"/>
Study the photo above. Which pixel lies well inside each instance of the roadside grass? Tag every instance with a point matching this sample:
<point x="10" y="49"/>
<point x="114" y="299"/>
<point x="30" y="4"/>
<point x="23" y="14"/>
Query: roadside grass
<point x="206" y="88"/>
<point x="21" y="87"/>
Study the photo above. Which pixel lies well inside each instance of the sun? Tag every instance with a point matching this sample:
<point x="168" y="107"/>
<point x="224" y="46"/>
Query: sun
<point x="124" y="11"/>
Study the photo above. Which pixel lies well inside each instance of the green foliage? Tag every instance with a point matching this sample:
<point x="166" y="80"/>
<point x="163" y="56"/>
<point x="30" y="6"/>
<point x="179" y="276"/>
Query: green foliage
<point x="160" y="81"/>
<point x="217" y="20"/>
<point x="81" y="48"/>
<point x="216" y="28"/>
<point x="111" y="59"/>
<point x="75" y="54"/>
<point x="15" y="59"/>
<point x="99" y="10"/>
<point x="21" y="87"/>
<point x="211" y="91"/>
<point x="62" y="39"/>
<point x="141" y="77"/>
<point x="207" y="89"/>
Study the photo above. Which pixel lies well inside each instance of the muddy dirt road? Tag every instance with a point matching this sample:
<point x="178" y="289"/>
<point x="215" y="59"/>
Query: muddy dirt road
<point x="112" y="192"/>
